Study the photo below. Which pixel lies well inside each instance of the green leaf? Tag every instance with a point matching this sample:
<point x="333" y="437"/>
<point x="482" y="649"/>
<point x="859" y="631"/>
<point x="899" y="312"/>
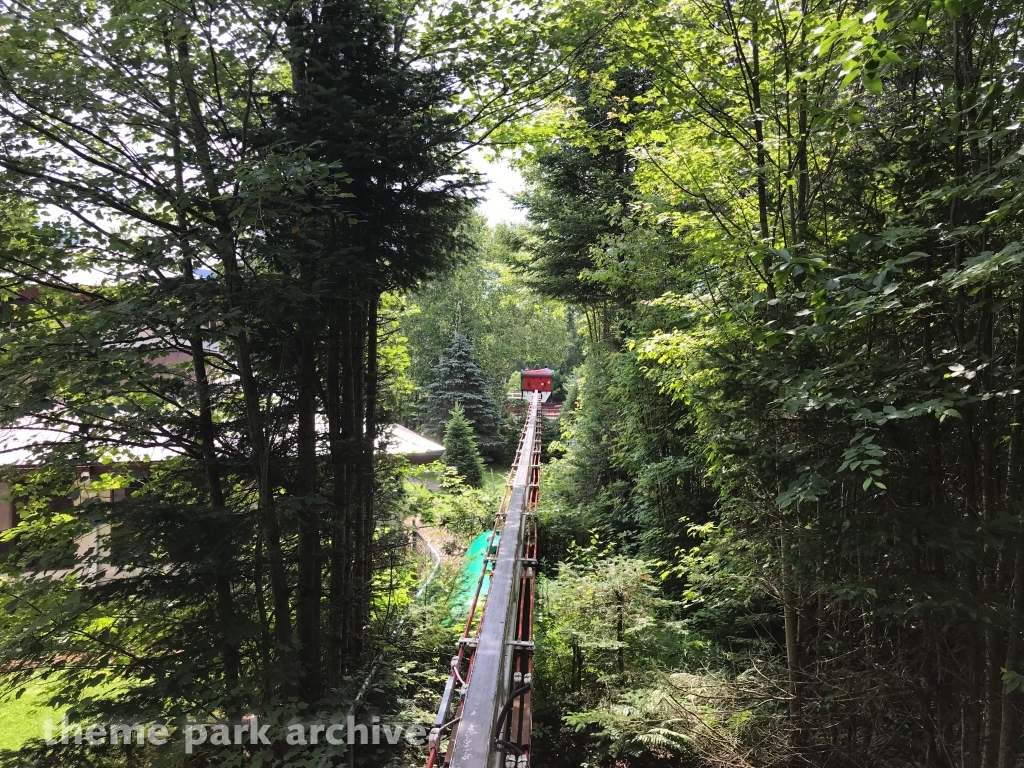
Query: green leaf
<point x="872" y="82"/>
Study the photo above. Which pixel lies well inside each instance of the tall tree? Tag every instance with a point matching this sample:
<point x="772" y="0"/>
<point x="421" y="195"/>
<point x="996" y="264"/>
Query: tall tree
<point x="579" y="189"/>
<point x="348" y="80"/>
<point x="458" y="380"/>
<point x="250" y="193"/>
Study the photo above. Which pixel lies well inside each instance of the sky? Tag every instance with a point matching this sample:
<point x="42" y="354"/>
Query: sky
<point x="503" y="180"/>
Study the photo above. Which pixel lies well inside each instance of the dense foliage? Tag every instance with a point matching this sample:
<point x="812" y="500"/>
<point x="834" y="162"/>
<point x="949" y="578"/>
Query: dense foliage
<point x="510" y="326"/>
<point x="779" y="247"/>
<point x="210" y="207"/>
<point x="815" y="267"/>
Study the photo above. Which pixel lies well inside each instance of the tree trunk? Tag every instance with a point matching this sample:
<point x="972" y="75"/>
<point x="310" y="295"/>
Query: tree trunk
<point x="308" y="588"/>
<point x="225" y="250"/>
<point x="793" y="667"/>
<point x="1008" y="731"/>
<point x="222" y="578"/>
<point x="337" y="350"/>
<point x="207" y="429"/>
<point x="366" y="394"/>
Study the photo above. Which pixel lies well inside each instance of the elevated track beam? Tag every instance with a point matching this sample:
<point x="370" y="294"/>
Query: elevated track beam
<point x="485" y="716"/>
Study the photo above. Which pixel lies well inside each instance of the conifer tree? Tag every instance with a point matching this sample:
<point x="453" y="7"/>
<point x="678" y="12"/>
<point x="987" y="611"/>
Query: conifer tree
<point x="460" y="449"/>
<point x="459" y="380"/>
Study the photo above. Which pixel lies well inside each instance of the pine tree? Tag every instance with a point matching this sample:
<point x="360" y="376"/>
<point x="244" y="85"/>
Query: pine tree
<point x="459" y="380"/>
<point x="460" y="449"/>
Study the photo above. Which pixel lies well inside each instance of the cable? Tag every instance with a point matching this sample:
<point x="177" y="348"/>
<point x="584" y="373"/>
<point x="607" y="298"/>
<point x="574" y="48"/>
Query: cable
<point x="504" y="713"/>
<point x="456" y="663"/>
<point x="501" y="744"/>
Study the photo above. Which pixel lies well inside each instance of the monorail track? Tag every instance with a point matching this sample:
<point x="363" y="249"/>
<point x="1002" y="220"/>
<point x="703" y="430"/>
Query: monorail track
<point x="485" y="716"/>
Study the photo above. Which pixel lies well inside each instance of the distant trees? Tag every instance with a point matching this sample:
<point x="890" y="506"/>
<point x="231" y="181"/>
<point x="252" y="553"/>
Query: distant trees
<point x="460" y="450"/>
<point x="458" y="381"/>
<point x="490" y="302"/>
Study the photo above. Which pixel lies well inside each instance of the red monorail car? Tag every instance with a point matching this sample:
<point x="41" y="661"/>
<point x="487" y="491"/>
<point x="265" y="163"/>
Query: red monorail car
<point x="538" y="380"/>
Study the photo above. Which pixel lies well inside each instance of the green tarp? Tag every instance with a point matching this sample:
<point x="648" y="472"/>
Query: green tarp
<point x="472" y="566"/>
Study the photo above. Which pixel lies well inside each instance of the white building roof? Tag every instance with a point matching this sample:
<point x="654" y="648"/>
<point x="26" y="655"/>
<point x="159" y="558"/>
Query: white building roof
<point x="19" y="444"/>
<point x="405" y="442"/>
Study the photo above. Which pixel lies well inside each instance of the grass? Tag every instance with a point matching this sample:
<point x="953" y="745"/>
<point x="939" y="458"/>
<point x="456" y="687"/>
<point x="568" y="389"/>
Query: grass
<point x="494" y="479"/>
<point x="22" y="718"/>
<point x="429" y="477"/>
